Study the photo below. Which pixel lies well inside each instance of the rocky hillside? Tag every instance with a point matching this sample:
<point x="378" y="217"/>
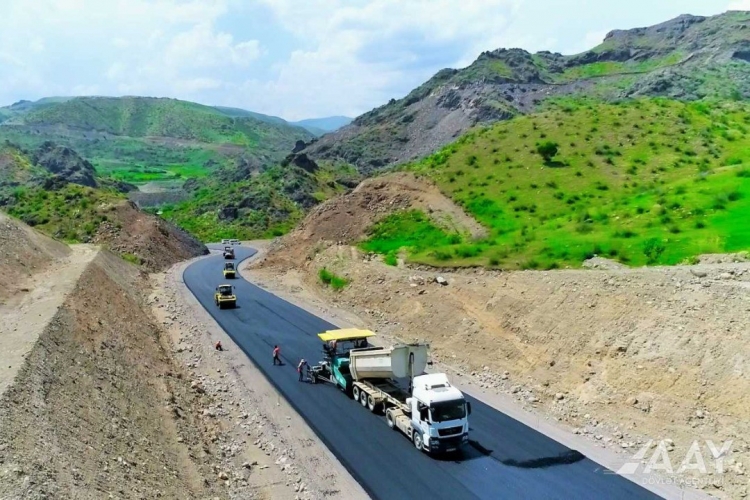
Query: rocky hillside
<point x="248" y="202"/>
<point x="688" y="58"/>
<point x="56" y="191"/>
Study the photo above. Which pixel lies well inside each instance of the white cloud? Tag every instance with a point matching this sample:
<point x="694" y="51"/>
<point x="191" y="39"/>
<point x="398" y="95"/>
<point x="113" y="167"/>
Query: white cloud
<point x="739" y="5"/>
<point x="202" y="47"/>
<point x="159" y="47"/>
<point x="372" y="51"/>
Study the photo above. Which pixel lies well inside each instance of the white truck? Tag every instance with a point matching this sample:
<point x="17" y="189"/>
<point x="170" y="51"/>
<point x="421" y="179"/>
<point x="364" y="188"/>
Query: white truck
<point x="431" y="413"/>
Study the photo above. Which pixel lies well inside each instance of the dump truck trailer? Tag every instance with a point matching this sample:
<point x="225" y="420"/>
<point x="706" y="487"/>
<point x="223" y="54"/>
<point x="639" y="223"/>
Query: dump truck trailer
<point x="430" y="412"/>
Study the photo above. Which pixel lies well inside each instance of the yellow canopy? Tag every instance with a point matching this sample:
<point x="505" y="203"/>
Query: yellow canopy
<point x="345" y="334"/>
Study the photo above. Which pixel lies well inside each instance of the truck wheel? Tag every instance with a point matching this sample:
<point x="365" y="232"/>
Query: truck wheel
<point x="363" y="398"/>
<point x="389" y="419"/>
<point x="417" y="438"/>
<point x="371" y="405"/>
<point x="355" y="393"/>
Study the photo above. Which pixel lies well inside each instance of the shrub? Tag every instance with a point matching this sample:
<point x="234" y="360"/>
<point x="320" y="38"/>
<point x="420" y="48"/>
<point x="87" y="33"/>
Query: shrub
<point x="391" y="260"/>
<point x="332" y="280"/>
<point x="132" y="258"/>
<point x="652" y="249"/>
<point x="547" y="150"/>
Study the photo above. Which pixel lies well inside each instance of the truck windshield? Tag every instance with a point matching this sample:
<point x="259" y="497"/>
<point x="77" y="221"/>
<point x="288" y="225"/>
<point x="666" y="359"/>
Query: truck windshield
<point x="448" y="410"/>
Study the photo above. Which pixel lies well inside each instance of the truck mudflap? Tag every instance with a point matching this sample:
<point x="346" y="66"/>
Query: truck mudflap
<point x="447" y="445"/>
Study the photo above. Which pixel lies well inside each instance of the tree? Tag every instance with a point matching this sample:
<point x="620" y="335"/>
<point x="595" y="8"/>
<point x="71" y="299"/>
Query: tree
<point x="547" y="150"/>
<point x="652" y="249"/>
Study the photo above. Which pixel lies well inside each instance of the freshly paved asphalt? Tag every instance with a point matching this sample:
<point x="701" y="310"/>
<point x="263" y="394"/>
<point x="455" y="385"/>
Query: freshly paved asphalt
<point x="507" y="459"/>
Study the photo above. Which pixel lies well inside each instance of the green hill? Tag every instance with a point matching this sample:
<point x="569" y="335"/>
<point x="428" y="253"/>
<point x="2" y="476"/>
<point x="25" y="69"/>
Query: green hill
<point x="643" y="182"/>
<point x="687" y="58"/>
<point x="139" y="139"/>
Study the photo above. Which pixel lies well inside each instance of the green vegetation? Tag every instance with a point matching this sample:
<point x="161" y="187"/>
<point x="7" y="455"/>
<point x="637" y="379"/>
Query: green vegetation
<point x="265" y="205"/>
<point x="609" y="68"/>
<point x="642" y="182"/>
<point x="328" y="278"/>
<point x="140" y="140"/>
<point x="133" y="259"/>
<point x="72" y="213"/>
<point x="412" y="230"/>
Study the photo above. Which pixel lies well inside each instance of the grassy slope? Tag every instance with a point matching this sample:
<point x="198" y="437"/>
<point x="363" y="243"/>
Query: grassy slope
<point x="71" y="214"/>
<point x="650" y="181"/>
<point x="143" y="139"/>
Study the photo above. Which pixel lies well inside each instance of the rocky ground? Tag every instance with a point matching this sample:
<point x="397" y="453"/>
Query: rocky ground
<point x="145" y="239"/>
<point x="23" y="253"/>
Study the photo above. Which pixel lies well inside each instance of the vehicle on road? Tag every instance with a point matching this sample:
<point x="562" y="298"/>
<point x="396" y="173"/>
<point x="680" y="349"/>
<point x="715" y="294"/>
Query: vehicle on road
<point x="229" y="270"/>
<point x="234" y="242"/>
<point x="225" y="297"/>
<point x="228" y="253"/>
<point x="225" y="241"/>
<point x="431" y="413"/>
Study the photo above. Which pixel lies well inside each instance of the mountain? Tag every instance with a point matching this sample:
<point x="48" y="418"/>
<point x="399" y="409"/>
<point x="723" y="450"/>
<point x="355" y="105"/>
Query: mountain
<point x="687" y="58"/>
<point x="320" y="126"/>
<point x="141" y="139"/>
<point x="243" y="113"/>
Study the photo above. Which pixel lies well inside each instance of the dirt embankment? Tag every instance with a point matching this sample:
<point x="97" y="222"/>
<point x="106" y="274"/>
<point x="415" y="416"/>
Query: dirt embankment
<point x="617" y="355"/>
<point x="110" y="387"/>
<point x="147" y="239"/>
<point x="99" y="407"/>
<point x="23" y="253"/>
<point x="346" y="219"/>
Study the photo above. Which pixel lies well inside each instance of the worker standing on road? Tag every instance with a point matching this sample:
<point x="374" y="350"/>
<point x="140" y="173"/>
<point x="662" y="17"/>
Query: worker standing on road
<point x="301" y="369"/>
<point x="276" y="357"/>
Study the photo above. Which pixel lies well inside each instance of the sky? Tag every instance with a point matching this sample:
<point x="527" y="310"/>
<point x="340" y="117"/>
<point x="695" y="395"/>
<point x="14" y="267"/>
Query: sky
<point x="290" y="58"/>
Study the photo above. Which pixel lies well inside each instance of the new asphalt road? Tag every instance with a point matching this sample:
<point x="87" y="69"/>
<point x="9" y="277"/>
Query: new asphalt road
<point x="506" y="460"/>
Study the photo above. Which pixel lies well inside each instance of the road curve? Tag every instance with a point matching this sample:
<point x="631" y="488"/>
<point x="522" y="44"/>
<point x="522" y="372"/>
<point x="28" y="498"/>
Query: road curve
<point x="507" y="459"/>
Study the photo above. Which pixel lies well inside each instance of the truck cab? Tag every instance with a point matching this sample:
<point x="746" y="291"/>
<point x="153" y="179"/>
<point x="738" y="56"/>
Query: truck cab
<point x="439" y="414"/>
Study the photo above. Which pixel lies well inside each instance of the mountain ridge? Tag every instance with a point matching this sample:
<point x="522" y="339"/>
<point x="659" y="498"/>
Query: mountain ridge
<point x="686" y="58"/>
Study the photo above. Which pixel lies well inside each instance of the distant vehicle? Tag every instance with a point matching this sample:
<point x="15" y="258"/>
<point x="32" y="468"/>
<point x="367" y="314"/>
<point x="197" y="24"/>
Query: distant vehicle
<point x="228" y="253"/>
<point x="225" y="297"/>
<point x="432" y="413"/>
<point x="225" y="242"/>
<point x="229" y="270"/>
<point x="234" y="242"/>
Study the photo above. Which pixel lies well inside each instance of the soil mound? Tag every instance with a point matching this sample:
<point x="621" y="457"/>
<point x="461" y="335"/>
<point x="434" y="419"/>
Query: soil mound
<point x="99" y="407"/>
<point x="23" y="253"/>
<point x="346" y="219"/>
<point x="147" y="239"/>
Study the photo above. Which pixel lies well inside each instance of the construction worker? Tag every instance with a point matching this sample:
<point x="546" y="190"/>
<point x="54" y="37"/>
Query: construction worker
<point x="276" y="352"/>
<point x="301" y="369"/>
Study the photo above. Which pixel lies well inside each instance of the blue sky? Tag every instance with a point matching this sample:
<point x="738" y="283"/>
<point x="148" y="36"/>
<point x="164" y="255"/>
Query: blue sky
<point x="291" y="58"/>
